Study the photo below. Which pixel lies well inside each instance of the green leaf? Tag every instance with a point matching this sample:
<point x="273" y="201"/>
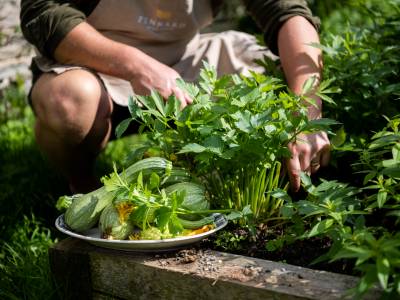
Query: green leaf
<point x="191" y="89"/>
<point x="397" y="285"/>
<point x="389" y="163"/>
<point x="383" y="268"/>
<point x="137" y="153"/>
<point x="174" y="225"/>
<point x="141" y="216"/>
<point x="367" y="280"/>
<point x="360" y="253"/>
<point x="154" y="181"/>
<point x="234" y="215"/>
<point x="395" y="213"/>
<point x="359" y="223"/>
<point x="368" y="177"/>
<point x="306" y="181"/>
<point x="308" y="208"/>
<point x="320" y="124"/>
<point x="177" y="199"/>
<point x="309" y="85"/>
<point x="330" y="51"/>
<point x="384" y="141"/>
<point x="193" y="147"/>
<point x="146" y="101"/>
<point x="134" y="108"/>
<point x="122" y="127"/>
<point x="158" y="101"/>
<point x="170" y="106"/>
<point x="392" y="172"/>
<point x="396" y="152"/>
<point x="326" y="98"/>
<point x="281" y="194"/>
<point x="324" y="87"/>
<point x="287" y="210"/>
<point x="65" y="201"/>
<point x="111" y="182"/>
<point x="243" y="121"/>
<point x="381" y="198"/>
<point x="247" y="211"/>
<point x="214" y="144"/>
<point x="162" y="217"/>
<point x="320" y="227"/>
<point x="159" y="126"/>
<point x="339" y="138"/>
<point x="139" y="181"/>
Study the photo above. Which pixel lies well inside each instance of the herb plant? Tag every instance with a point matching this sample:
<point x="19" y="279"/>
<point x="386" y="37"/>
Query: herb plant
<point x="362" y="223"/>
<point x="363" y="61"/>
<point x="233" y="137"/>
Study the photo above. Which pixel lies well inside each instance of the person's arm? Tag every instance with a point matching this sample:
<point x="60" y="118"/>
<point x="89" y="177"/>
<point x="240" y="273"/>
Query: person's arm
<point x="63" y="34"/>
<point x="85" y="46"/>
<point x="300" y="61"/>
<point x="45" y="23"/>
<point x="289" y="27"/>
<point x="270" y="15"/>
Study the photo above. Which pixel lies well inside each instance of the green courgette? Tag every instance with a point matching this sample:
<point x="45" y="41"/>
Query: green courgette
<point x="84" y="211"/>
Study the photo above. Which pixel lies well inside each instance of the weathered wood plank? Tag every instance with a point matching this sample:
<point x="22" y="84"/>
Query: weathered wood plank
<point x="70" y="266"/>
<point x="192" y="274"/>
<point x="137" y="279"/>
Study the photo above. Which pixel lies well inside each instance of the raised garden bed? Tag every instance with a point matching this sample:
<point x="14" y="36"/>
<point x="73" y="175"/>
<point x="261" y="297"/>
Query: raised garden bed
<point x="84" y="271"/>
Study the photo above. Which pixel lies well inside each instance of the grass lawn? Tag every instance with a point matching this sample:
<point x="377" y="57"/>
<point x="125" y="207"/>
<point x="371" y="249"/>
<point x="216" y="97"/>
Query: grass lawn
<point x="29" y="189"/>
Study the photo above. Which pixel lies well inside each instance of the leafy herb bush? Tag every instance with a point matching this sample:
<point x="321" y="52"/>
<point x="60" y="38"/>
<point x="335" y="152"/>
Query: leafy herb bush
<point x="233" y="137"/>
<point x="362" y="223"/>
<point x="364" y="62"/>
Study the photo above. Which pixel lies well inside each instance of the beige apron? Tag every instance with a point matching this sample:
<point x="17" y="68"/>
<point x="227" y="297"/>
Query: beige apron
<point x="169" y="32"/>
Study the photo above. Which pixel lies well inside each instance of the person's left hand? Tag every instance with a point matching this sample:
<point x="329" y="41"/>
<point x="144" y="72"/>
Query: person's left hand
<point x="309" y="153"/>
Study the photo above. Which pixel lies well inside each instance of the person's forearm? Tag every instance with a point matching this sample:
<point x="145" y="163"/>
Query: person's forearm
<point x="85" y="46"/>
<point x="299" y="60"/>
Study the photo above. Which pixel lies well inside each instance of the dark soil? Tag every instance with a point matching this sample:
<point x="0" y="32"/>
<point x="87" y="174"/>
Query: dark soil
<point x="236" y="240"/>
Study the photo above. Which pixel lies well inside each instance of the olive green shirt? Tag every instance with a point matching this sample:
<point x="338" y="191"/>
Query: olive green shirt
<point x="45" y="23"/>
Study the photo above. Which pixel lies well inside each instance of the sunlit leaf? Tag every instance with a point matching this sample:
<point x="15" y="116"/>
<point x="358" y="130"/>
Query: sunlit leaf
<point x="192" y="147"/>
<point x="383" y="268"/>
<point x="162" y="216"/>
<point x="154" y="181"/>
<point x="309" y="85"/>
<point x="122" y="127"/>
<point x="382" y="196"/>
<point x="320" y="227"/>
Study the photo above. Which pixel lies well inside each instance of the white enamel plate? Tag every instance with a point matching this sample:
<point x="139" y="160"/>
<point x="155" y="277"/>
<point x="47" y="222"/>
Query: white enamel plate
<point x="93" y="236"/>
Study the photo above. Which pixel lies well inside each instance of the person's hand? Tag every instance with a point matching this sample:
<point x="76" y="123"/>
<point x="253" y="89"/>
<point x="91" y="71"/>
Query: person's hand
<point x="309" y="153"/>
<point x="154" y="75"/>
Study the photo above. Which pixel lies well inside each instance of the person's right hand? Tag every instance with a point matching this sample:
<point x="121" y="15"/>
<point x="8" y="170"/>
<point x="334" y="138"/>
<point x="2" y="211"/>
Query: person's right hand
<point x="154" y="75"/>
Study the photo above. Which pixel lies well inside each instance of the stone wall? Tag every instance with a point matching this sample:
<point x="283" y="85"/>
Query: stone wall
<point x="15" y="52"/>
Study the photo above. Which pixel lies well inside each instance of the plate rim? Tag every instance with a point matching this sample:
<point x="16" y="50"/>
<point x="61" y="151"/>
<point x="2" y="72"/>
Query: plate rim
<point x="60" y="222"/>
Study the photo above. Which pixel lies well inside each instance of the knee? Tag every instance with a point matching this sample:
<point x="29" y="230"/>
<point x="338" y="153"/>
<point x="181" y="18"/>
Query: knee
<point x="70" y="103"/>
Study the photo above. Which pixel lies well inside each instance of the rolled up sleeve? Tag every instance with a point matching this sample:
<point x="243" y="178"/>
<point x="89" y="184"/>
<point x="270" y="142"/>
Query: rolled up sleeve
<point x="45" y="23"/>
<point x="271" y="14"/>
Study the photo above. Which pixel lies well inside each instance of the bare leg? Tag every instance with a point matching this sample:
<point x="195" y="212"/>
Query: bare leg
<point x="73" y="124"/>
